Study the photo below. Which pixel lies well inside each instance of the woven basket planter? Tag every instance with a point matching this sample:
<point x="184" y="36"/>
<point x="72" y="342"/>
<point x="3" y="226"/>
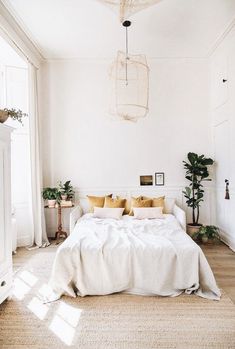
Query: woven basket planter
<point x="3" y="116"/>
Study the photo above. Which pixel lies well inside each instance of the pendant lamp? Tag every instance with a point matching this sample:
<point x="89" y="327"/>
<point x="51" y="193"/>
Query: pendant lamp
<point x="130" y="84"/>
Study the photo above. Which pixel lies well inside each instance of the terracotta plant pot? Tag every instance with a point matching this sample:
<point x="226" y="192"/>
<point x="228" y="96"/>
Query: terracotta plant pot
<point x="3" y="116"/>
<point x="51" y="203"/>
<point x="192" y="229"/>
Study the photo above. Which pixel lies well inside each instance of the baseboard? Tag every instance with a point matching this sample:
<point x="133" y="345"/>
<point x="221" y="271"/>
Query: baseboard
<point x="229" y="241"/>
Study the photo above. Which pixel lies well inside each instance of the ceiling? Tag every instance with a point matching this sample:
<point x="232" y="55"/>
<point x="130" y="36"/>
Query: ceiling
<point x="66" y="29"/>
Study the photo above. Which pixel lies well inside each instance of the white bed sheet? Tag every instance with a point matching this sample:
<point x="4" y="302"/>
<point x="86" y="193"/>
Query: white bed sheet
<point x="147" y="257"/>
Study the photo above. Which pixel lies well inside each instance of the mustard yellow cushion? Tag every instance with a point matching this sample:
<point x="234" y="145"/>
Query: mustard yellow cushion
<point x="127" y="205"/>
<point x="114" y="202"/>
<point x="139" y="202"/>
<point x="96" y="201"/>
<point x="157" y="202"/>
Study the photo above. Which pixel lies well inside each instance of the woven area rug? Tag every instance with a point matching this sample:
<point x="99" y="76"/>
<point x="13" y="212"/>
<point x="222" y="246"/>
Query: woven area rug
<point x="114" y="322"/>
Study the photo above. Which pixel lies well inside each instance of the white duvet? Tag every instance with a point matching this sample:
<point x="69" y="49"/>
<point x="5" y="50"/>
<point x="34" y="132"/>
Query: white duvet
<point x="148" y="257"/>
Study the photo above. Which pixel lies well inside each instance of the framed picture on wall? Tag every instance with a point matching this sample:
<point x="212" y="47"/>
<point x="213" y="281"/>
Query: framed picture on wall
<point x="159" y="178"/>
<point x="146" y="180"/>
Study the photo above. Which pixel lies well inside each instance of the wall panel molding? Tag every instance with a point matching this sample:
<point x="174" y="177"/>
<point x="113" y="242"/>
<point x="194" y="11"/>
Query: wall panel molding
<point x="207" y="215"/>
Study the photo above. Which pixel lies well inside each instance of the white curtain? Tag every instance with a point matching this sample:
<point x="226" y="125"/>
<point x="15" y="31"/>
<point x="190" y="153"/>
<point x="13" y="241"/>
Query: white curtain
<point x="39" y="227"/>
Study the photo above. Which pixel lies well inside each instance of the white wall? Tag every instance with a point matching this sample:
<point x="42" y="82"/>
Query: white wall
<point x="81" y="142"/>
<point x="223" y="126"/>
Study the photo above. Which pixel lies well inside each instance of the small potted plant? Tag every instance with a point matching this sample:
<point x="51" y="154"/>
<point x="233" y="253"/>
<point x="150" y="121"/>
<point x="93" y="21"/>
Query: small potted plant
<point x="207" y="233"/>
<point x="66" y="191"/>
<point x="13" y="113"/>
<point x="52" y="195"/>
<point x="196" y="171"/>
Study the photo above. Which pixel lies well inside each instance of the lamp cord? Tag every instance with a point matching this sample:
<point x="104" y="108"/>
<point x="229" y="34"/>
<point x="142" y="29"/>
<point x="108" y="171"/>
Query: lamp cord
<point x="126" y="55"/>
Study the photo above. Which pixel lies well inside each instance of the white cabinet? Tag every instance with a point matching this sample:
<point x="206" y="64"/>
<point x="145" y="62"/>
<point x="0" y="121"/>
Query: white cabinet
<point x="5" y="213"/>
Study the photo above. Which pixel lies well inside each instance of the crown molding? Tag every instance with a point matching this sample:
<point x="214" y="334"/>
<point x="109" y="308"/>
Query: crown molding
<point x="18" y="36"/>
<point x="221" y="38"/>
<point x="12" y="32"/>
<point x="100" y="60"/>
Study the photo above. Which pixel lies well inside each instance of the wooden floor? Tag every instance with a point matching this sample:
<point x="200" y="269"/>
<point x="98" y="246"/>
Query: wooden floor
<point x="222" y="262"/>
<point x="220" y="258"/>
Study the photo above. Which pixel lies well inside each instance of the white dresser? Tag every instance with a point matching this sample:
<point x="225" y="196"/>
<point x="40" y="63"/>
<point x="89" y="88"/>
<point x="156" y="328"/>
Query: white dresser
<point x="5" y="213"/>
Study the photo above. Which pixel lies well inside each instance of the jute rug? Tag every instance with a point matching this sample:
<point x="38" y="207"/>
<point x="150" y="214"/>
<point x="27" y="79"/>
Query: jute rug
<point x="114" y="322"/>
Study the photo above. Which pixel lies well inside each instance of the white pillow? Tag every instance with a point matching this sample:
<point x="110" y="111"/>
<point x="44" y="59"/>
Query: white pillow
<point x="148" y="212"/>
<point x="106" y="212"/>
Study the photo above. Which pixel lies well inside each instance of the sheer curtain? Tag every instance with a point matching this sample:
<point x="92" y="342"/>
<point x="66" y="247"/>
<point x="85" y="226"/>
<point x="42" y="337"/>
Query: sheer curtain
<point x="39" y="227"/>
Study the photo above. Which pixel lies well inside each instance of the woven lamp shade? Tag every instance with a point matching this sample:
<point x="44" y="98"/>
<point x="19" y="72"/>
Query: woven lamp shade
<point x="130" y="87"/>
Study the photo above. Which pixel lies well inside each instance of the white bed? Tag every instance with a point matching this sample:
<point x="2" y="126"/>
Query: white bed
<point x="147" y="257"/>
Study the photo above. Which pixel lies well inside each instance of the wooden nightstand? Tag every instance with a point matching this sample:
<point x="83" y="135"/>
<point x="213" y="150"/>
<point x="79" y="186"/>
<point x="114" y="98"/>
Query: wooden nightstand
<point x="60" y="232"/>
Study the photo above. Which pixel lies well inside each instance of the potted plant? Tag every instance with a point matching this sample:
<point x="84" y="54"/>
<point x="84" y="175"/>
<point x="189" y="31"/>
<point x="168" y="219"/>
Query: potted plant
<point x="207" y="232"/>
<point x="52" y="195"/>
<point x="196" y="172"/>
<point x="66" y="190"/>
<point x="13" y="113"/>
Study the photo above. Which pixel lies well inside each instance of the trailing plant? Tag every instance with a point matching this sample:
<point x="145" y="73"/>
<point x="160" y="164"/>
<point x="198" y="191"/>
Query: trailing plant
<point x="210" y="231"/>
<point x="16" y="114"/>
<point x="196" y="172"/>
<point x="51" y="194"/>
<point x="67" y="189"/>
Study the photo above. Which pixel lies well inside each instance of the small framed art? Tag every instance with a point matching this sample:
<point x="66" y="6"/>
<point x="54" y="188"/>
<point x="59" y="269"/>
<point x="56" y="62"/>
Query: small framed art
<point x="159" y="178"/>
<point x="146" y="180"/>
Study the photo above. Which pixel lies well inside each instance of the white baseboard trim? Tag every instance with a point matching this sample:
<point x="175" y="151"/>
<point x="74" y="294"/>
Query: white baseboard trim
<point x="229" y="241"/>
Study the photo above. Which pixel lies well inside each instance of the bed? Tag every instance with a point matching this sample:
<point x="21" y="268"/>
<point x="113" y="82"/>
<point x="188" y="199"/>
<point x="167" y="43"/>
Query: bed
<point x="145" y="257"/>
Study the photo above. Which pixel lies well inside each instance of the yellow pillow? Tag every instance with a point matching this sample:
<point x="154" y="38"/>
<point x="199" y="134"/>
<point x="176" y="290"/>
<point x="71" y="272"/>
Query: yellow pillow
<point x="157" y="202"/>
<point x="96" y="201"/>
<point x="127" y="205"/>
<point x="139" y="202"/>
<point x="114" y="202"/>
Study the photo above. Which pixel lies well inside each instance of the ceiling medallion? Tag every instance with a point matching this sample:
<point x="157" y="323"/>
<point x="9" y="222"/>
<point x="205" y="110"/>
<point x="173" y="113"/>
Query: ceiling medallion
<point x="126" y="8"/>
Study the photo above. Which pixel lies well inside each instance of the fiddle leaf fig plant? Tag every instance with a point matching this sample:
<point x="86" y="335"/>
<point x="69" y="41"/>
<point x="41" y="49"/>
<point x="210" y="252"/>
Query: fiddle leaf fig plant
<point x="196" y="171"/>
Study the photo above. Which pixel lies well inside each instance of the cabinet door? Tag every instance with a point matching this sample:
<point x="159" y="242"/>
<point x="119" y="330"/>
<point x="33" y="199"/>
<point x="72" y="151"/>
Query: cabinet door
<point x="3" y="238"/>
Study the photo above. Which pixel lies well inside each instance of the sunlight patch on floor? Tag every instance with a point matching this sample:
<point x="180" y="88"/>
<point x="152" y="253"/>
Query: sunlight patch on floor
<point x="62" y="330"/>
<point x="28" y="277"/>
<point x="65" y="317"/>
<point x="65" y="322"/>
<point x="20" y="288"/>
<point x="44" y="290"/>
<point x="70" y="314"/>
<point x="38" y="308"/>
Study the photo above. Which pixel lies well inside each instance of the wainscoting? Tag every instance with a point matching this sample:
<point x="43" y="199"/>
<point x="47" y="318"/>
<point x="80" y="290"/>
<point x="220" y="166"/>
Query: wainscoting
<point x="207" y="215"/>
